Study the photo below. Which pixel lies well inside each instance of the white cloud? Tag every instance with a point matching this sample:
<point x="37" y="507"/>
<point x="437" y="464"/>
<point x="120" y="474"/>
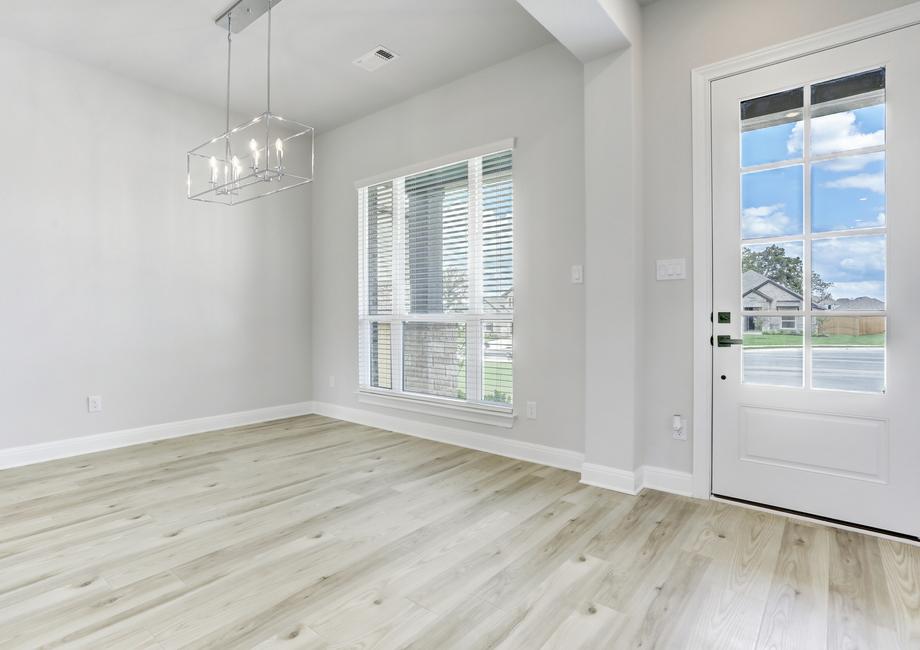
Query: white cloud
<point x="765" y="221"/>
<point x="867" y="223"/>
<point x="872" y="182"/>
<point x="851" y="163"/>
<point x="850" y="262"/>
<point x="873" y="289"/>
<point x="834" y="132"/>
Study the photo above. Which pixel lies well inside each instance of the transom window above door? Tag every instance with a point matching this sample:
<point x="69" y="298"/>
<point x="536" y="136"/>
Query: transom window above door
<point x="436" y="301"/>
<point x="814" y="234"/>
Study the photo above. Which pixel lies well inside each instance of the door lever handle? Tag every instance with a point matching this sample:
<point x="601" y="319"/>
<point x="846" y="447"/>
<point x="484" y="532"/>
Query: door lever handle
<point x="726" y="341"/>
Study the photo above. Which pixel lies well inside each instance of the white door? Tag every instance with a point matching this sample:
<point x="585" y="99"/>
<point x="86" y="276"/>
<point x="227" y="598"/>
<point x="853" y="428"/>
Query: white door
<point x="816" y="262"/>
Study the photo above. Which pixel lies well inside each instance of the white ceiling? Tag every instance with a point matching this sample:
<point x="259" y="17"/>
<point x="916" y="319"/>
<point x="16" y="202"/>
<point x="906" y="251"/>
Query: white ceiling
<point x="175" y="45"/>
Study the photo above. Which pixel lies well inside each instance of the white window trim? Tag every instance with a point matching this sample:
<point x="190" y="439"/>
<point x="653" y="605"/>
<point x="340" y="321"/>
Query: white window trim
<point x="441" y="161"/>
<point x="480" y="412"/>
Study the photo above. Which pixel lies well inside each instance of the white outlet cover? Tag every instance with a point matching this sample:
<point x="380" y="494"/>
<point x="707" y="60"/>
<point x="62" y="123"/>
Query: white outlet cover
<point x="94" y="403"/>
<point x="531" y="410"/>
<point x="578" y="274"/>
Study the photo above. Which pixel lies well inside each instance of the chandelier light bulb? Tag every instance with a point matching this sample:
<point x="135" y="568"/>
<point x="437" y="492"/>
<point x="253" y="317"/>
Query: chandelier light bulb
<point x="236" y="168"/>
<point x="279" y="151"/>
<point x="254" y="147"/>
<point x="213" y="163"/>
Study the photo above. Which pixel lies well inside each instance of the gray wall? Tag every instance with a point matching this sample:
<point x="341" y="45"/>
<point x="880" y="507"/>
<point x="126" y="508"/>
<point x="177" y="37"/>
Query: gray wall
<point x="113" y="283"/>
<point x="680" y="35"/>
<point x="537" y="98"/>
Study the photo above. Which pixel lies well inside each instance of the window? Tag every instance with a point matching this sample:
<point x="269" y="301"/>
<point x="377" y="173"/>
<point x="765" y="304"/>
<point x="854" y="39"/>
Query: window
<point x="814" y="234"/>
<point x="436" y="304"/>
<point x="787" y="322"/>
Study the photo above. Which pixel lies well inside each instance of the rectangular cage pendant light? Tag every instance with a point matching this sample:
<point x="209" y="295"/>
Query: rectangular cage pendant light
<point x="264" y="156"/>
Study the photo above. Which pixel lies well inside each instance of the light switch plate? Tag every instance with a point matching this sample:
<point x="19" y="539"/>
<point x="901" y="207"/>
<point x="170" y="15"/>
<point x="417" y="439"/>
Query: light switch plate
<point x="578" y="274"/>
<point x="675" y="269"/>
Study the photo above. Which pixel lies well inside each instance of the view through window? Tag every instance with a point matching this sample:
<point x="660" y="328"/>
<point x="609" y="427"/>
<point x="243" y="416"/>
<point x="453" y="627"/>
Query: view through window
<point x="436" y="304"/>
<point x="814" y="235"/>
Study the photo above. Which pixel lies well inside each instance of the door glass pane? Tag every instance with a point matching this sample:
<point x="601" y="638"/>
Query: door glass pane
<point x="771" y="128"/>
<point x="496" y="363"/>
<point x="848" y="113"/>
<point x="772" y="354"/>
<point x="434" y="359"/>
<point x="771" y="202"/>
<point x="848" y="353"/>
<point x="849" y="273"/>
<point x="848" y="192"/>
<point x="771" y="276"/>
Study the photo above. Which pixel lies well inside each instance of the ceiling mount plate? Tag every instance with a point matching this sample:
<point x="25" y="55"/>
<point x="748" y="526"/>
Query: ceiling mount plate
<point x="243" y="13"/>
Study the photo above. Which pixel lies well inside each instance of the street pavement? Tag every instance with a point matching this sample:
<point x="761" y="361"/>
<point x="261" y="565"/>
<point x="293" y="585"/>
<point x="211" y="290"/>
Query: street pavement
<point x="853" y="369"/>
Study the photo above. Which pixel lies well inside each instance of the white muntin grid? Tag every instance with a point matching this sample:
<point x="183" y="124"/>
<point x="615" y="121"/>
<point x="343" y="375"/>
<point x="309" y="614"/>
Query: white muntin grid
<point x="807" y="313"/>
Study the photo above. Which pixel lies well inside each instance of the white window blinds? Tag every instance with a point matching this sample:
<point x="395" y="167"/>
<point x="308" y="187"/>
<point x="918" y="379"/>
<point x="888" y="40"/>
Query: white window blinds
<point x="436" y="305"/>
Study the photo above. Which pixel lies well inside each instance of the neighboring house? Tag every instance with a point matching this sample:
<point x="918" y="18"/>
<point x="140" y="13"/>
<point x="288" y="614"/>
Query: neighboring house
<point x="863" y="303"/>
<point x="760" y="293"/>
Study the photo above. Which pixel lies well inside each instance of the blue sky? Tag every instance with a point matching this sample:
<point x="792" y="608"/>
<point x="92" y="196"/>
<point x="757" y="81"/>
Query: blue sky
<point x="847" y="193"/>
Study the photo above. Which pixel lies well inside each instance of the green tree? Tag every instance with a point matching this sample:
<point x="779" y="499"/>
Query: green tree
<point x="773" y="263"/>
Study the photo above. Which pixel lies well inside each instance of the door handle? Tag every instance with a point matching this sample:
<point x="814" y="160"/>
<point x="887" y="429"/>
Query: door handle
<point x="726" y="341"/>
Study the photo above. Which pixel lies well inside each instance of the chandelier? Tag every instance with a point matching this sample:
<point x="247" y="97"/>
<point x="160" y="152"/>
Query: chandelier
<point x="267" y="154"/>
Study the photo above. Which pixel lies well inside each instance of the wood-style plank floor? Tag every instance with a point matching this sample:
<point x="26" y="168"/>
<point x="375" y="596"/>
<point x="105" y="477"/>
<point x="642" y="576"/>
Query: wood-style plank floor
<point x="315" y="533"/>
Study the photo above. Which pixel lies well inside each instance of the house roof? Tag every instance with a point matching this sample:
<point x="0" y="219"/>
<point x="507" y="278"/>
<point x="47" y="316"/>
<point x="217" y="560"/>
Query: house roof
<point x="862" y="303"/>
<point x="752" y="281"/>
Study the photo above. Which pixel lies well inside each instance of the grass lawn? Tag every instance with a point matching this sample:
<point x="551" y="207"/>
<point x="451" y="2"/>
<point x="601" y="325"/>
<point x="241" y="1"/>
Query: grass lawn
<point x="496" y="377"/>
<point x="790" y="340"/>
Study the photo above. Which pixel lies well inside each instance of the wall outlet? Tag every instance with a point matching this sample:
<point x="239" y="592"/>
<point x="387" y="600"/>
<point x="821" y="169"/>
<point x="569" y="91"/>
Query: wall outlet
<point x="94" y="403"/>
<point x="331" y="381"/>
<point x="531" y="410"/>
<point x="578" y="274"/>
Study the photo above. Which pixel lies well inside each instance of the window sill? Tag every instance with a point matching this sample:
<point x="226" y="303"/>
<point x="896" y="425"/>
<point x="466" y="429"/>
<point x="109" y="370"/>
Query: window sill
<point x="496" y="416"/>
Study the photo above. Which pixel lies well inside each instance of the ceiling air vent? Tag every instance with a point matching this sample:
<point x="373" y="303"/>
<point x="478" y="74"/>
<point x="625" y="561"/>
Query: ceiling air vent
<point x="376" y="58"/>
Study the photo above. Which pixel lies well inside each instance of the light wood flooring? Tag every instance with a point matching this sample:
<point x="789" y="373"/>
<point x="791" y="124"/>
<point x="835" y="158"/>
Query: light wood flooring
<point x="315" y="533"/>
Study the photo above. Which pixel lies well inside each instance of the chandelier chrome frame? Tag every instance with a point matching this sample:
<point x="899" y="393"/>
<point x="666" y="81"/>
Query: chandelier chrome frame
<point x="264" y="156"/>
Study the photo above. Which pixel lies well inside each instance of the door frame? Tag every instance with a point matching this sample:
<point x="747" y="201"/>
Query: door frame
<point x="702" y="79"/>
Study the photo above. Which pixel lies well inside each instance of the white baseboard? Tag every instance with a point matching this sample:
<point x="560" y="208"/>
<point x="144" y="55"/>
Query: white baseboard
<point x="647" y="476"/>
<point x="610" y="478"/>
<point x="44" y="451"/>
<point x="667" y="480"/>
<point x="534" y="453"/>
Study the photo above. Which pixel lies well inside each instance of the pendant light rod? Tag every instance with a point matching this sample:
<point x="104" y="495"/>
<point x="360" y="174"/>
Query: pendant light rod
<point x="229" y="51"/>
<point x="268" y="65"/>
